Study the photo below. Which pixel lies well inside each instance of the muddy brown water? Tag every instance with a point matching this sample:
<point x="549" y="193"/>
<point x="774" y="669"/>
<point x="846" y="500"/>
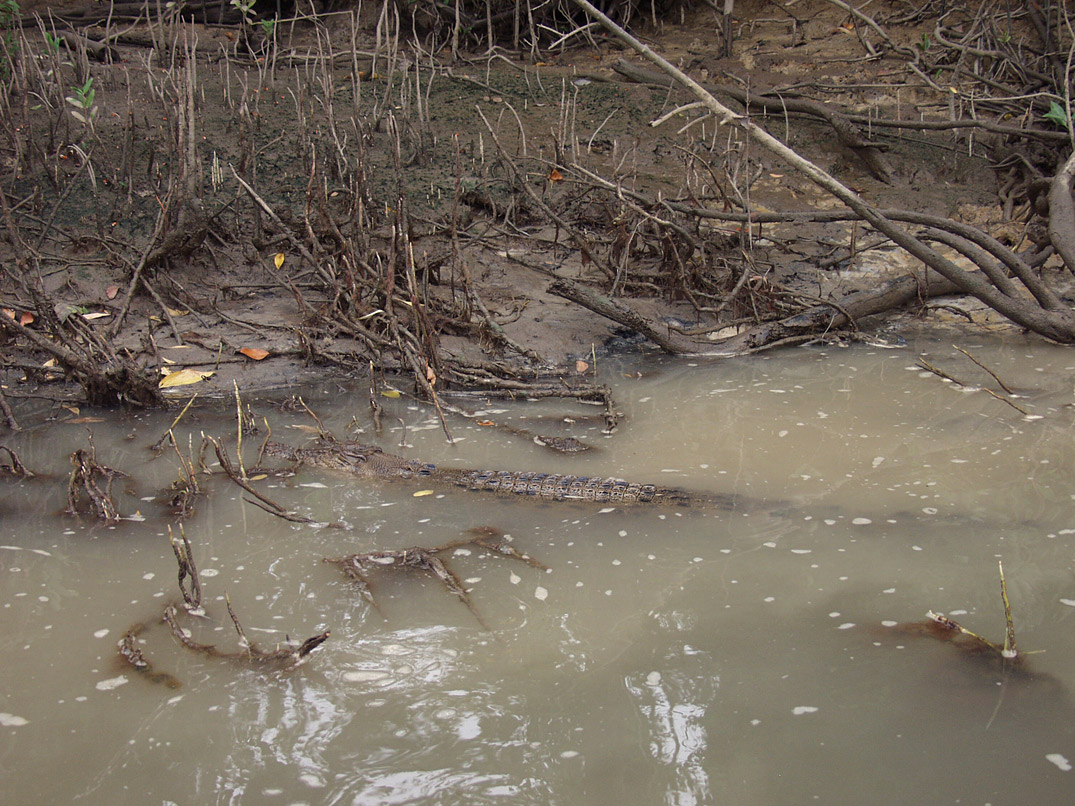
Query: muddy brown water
<point x="667" y="656"/>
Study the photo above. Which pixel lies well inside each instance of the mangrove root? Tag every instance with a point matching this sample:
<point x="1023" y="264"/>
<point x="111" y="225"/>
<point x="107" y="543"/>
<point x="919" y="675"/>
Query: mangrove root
<point x="90" y="487"/>
<point x="358" y="566"/>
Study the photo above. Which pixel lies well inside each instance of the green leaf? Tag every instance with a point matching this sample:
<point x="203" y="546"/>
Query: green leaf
<point x="1056" y="115"/>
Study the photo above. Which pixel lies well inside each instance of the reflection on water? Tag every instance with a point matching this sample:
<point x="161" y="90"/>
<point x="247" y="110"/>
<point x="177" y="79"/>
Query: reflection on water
<point x="673" y="705"/>
<point x="667" y="655"/>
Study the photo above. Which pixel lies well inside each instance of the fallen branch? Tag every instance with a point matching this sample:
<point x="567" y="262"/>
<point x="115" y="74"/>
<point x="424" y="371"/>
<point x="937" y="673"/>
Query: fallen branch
<point x="621" y="314"/>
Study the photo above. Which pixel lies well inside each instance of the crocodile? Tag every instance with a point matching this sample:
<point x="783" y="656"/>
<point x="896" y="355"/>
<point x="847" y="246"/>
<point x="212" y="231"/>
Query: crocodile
<point x="369" y="460"/>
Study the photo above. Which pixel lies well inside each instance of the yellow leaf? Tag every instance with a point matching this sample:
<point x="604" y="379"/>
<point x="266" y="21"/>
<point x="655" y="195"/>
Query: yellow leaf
<point x="89" y="317"/>
<point x="183" y="377"/>
<point x="421" y="493"/>
<point x="255" y="353"/>
<point x="174" y="312"/>
<point x="279" y="259"/>
<point x="50" y="363"/>
<point x="390" y="393"/>
<point x="258" y="477"/>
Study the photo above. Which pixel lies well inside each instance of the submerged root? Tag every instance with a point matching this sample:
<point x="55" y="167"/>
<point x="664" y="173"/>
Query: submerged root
<point x="15" y="467"/>
<point x="358" y="566"/>
<point x="283" y="655"/>
<point x="132" y="654"/>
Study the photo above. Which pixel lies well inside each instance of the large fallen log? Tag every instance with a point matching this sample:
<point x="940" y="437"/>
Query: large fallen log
<point x="820" y="319"/>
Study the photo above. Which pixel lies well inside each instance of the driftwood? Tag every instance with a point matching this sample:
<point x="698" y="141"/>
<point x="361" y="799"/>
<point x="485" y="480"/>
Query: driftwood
<point x="821" y="318"/>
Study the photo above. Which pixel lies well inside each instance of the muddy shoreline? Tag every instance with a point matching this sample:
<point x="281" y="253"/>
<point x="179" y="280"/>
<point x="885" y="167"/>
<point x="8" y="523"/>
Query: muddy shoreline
<point x="268" y="217"/>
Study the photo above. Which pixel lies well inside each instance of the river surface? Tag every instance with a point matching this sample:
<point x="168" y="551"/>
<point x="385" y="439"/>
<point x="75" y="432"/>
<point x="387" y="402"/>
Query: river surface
<point x="766" y="655"/>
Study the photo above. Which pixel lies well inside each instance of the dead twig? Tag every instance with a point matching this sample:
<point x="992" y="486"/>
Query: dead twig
<point x="266" y="504"/>
<point x="994" y="375"/>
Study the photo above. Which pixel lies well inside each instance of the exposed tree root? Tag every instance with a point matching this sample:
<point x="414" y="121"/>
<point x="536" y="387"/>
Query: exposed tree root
<point x="359" y="566"/>
<point x="15" y="466"/>
<point x="90" y="487"/>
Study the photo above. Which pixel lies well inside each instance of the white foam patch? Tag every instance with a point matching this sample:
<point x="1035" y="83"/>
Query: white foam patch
<point x="111" y="683"/>
<point x="12" y="721"/>
<point x="799" y="710"/>
<point x="541" y="593"/>
<point x="364" y="676"/>
<point x="1059" y="760"/>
